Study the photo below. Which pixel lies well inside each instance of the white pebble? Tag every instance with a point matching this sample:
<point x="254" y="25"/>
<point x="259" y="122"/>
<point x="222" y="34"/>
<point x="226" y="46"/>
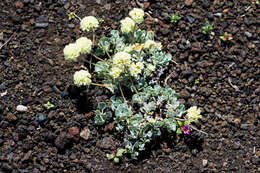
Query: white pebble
<point x="204" y="162"/>
<point x="21" y="108"/>
<point x="85" y="133"/>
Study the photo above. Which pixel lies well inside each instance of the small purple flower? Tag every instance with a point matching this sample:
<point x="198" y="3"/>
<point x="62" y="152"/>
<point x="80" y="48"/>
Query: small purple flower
<point x="115" y="152"/>
<point x="186" y="130"/>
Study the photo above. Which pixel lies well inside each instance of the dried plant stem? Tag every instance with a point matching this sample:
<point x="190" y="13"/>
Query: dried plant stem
<point x="6" y="42"/>
<point x="77" y="17"/>
<point x="121" y="91"/>
<point x="132" y="82"/>
<point x="101" y="85"/>
<point x="105" y="50"/>
<point x="101" y="59"/>
<point x="198" y="130"/>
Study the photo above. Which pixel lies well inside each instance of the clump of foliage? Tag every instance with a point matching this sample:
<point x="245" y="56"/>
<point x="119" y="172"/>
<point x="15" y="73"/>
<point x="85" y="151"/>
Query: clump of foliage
<point x="174" y="18"/>
<point x="132" y="60"/>
<point x="226" y="37"/>
<point x="207" y="28"/>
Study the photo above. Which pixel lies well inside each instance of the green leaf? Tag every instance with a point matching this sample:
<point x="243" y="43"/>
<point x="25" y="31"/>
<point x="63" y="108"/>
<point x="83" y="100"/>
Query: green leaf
<point x="116" y="160"/>
<point x="102" y="106"/>
<point x="120" y="152"/>
<point x="100" y="117"/>
<point x="104" y="43"/>
<point x="110" y="156"/>
<point x="179" y="131"/>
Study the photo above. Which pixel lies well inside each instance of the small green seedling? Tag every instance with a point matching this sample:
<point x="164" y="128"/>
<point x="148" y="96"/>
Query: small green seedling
<point x="116" y="155"/>
<point x="175" y="18"/>
<point x="48" y="105"/>
<point x="71" y="15"/>
<point x="197" y="81"/>
<point x="226" y="37"/>
<point x="207" y="28"/>
<point x="255" y="2"/>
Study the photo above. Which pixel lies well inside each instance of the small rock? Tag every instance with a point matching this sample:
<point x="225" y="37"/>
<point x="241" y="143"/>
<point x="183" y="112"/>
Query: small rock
<point x="190" y="19"/>
<point x="63" y="2"/>
<point x="41" y="25"/>
<point x="27" y="155"/>
<point x="218" y="15"/>
<point x="188" y="2"/>
<point x="41" y="118"/>
<point x="185" y="94"/>
<point x="236" y="145"/>
<point x="85" y="133"/>
<point x="106" y="143"/>
<point x="204" y="162"/>
<point x="18" y="4"/>
<point x="2" y="108"/>
<point x="186" y="73"/>
<point x="11" y="117"/>
<point x="248" y="34"/>
<point x="62" y="140"/>
<point x="210" y="16"/>
<point x="21" y="108"/>
<point x="7" y="168"/>
<point x="194" y="151"/>
<point x="237" y="121"/>
<point x="74" y="132"/>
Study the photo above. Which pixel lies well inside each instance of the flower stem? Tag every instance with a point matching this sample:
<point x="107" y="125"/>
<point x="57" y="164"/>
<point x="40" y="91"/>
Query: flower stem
<point x="101" y="59"/>
<point x="77" y="17"/>
<point x="121" y="92"/>
<point x="132" y="82"/>
<point x="105" y="50"/>
<point x="101" y="85"/>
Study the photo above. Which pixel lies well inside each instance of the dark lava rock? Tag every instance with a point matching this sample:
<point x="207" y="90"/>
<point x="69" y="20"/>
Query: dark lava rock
<point x="41" y="118"/>
<point x="42" y="22"/>
<point x="184" y="94"/>
<point x="74" y="132"/>
<point x="63" y="140"/>
<point x="2" y="108"/>
<point x="106" y="143"/>
<point x="7" y="168"/>
<point x="186" y="73"/>
<point x="49" y="136"/>
<point x="190" y="19"/>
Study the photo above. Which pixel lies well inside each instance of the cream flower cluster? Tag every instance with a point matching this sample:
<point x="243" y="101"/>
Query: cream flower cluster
<point x="127" y="25"/>
<point x="150" y="43"/>
<point x="137" y="15"/>
<point x="73" y="50"/>
<point x="84" y="44"/>
<point x="82" y="78"/>
<point x="122" y="58"/>
<point x="115" y="72"/>
<point x="89" y="22"/>
<point x="193" y="114"/>
<point x="136" y="69"/>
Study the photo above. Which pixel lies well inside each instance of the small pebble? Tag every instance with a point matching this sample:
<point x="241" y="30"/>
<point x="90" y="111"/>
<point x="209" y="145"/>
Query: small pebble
<point x="41" y="118"/>
<point x="204" y="162"/>
<point x="85" y="133"/>
<point x="21" y="108"/>
<point x="190" y="19"/>
<point x="248" y="34"/>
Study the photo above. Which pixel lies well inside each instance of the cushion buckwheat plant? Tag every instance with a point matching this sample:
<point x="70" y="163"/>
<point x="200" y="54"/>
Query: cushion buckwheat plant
<point x="132" y="59"/>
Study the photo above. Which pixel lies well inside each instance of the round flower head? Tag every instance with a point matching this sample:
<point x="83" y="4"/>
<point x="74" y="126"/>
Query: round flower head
<point x="71" y="52"/>
<point x="122" y="58"/>
<point x="149" y="44"/>
<point x="137" y="15"/>
<point x="82" y="78"/>
<point x="193" y="114"/>
<point x="88" y="23"/>
<point x="127" y="25"/>
<point x="115" y="72"/>
<point x="158" y="45"/>
<point x="138" y="47"/>
<point x="84" y="44"/>
<point x="135" y="69"/>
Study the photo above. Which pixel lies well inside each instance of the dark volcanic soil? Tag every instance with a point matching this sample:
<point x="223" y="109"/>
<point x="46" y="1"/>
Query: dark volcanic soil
<point x="33" y="72"/>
